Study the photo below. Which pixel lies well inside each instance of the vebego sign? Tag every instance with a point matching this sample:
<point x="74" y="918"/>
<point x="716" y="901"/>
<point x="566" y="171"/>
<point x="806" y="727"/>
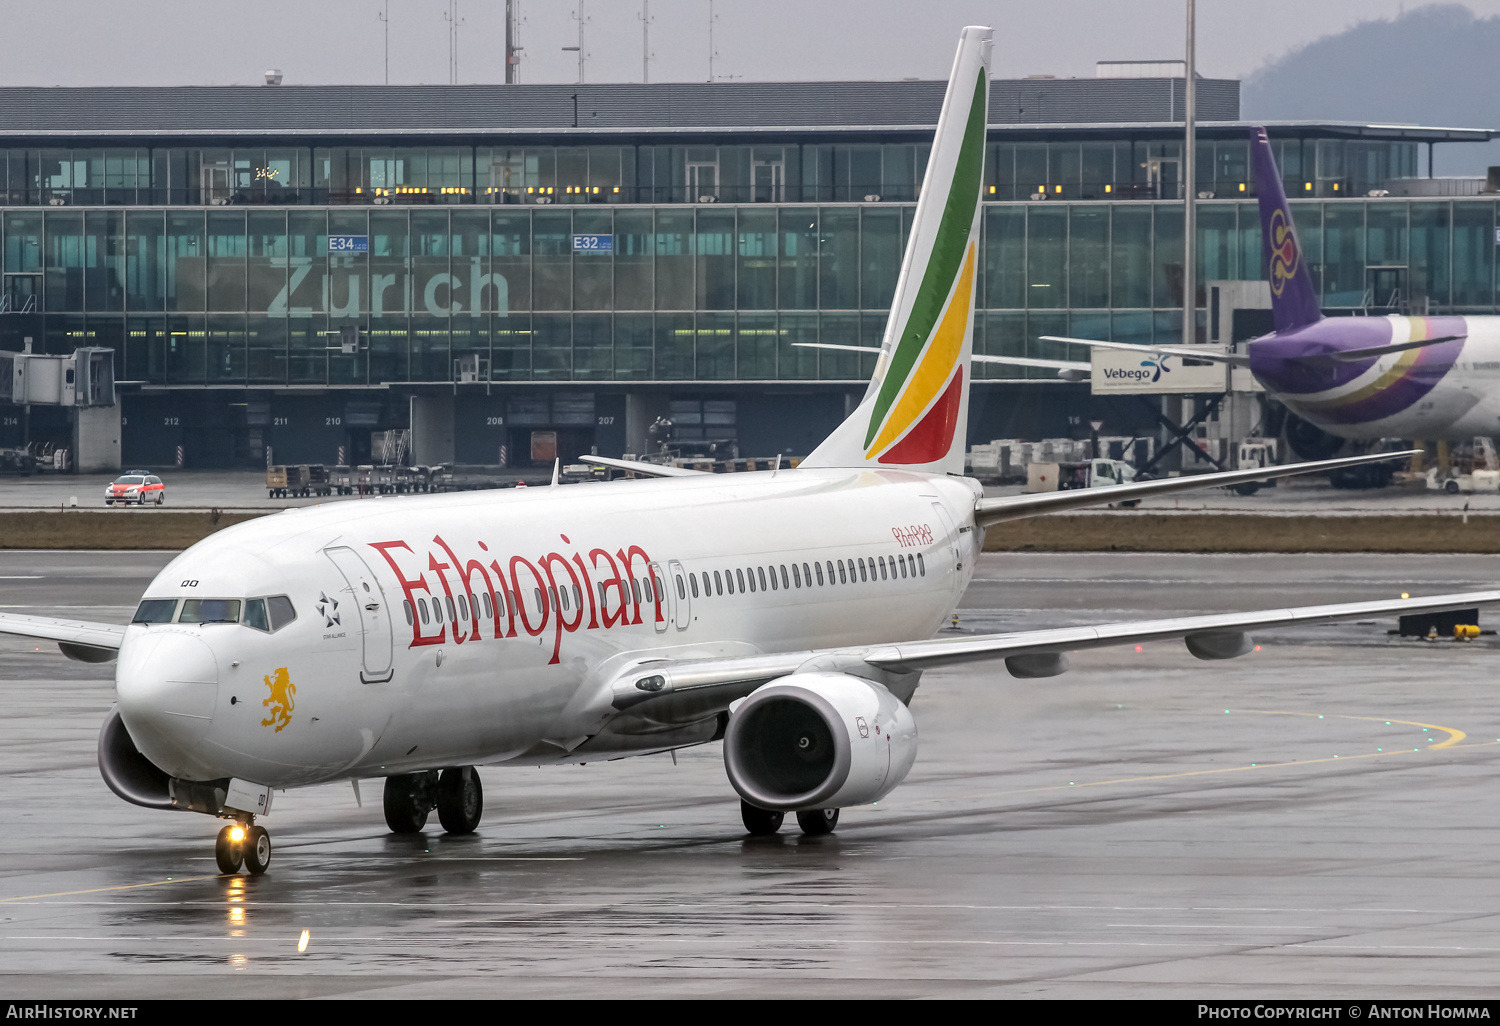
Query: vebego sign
<point x="1117" y="371"/>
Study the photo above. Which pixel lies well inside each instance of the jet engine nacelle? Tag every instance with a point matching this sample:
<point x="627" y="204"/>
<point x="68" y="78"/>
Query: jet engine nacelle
<point x="128" y="773"/>
<point x="1311" y="442"/>
<point x="818" y="741"/>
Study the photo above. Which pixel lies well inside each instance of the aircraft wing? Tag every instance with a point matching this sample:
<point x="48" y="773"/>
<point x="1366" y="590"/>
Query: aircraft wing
<point x="1000" y="508"/>
<point x="645" y="469"/>
<point x="79" y="639"/>
<point x="704" y="685"/>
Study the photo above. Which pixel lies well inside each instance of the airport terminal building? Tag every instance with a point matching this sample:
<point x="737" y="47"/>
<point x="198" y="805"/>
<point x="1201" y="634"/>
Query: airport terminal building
<point x="516" y="270"/>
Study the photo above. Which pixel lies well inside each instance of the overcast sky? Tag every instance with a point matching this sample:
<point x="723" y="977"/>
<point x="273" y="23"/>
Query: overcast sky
<point x="216" y="42"/>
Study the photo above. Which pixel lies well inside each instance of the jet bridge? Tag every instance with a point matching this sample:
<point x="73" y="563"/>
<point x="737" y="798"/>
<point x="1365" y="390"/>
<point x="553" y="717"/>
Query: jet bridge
<point x="82" y="381"/>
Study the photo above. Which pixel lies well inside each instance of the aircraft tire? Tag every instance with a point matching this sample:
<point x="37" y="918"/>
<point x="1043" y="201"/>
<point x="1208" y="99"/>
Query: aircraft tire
<point x="760" y="822"/>
<point x="228" y="853"/>
<point x="460" y="800"/>
<point x="815" y="822"/>
<point x="257" y="850"/>
<point x="406" y="803"/>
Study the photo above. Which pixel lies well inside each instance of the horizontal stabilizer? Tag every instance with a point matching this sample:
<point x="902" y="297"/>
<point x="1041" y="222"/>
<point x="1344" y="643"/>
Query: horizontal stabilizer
<point x="644" y="469"/>
<point x="1011" y="361"/>
<point x="1190" y="352"/>
<point x="1001" y="508"/>
<point x="1351" y="355"/>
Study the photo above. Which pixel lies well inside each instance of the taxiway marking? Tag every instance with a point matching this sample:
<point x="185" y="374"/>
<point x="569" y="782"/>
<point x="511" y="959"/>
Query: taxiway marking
<point x="122" y="887"/>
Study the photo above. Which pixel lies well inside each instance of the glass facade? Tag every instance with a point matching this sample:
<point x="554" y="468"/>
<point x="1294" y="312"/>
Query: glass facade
<point x="1136" y="167"/>
<point x="713" y="293"/>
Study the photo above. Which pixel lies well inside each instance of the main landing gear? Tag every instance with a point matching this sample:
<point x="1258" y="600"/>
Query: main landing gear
<point x="763" y="822"/>
<point x="244" y="844"/>
<point x="455" y="793"/>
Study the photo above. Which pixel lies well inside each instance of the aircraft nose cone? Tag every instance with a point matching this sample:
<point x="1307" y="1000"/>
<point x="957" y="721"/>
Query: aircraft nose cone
<point x="167" y="684"/>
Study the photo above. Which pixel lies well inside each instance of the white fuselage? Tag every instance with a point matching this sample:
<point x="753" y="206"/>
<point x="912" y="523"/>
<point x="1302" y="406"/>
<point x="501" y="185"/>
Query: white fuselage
<point x="593" y="581"/>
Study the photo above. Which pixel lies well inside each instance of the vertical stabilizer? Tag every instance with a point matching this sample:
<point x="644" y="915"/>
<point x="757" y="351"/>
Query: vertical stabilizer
<point x="915" y="412"/>
<point x="1294" y="301"/>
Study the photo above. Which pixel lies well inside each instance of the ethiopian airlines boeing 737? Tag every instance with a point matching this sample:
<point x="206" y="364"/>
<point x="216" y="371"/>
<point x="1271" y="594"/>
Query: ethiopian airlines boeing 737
<point x="789" y="613"/>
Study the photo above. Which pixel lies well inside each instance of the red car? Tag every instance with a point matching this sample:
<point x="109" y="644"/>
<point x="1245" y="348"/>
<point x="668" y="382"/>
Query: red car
<point x="137" y="486"/>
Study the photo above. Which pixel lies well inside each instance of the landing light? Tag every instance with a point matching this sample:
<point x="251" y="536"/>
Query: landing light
<point x="237" y="834"/>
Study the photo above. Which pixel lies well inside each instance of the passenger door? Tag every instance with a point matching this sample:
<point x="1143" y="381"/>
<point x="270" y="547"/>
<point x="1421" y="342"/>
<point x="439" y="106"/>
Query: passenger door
<point x="368" y="601"/>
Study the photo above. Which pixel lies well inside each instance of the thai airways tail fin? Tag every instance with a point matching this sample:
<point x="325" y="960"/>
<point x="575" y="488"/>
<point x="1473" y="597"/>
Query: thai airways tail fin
<point x="1294" y="301"/>
<point x="915" y="412"/>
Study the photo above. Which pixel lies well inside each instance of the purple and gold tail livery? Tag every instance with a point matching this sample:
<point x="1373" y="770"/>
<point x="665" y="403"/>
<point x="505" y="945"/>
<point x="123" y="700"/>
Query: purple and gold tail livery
<point x="1294" y="302"/>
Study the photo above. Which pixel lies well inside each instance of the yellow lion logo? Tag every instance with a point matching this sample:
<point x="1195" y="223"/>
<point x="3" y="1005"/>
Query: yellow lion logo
<point x="280" y="702"/>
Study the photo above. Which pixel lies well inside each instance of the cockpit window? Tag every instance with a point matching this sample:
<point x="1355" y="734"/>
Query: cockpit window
<point x="155" y="611"/>
<point x="210" y="611"/>
<point x="282" y="612"/>
<point x="255" y="615"/>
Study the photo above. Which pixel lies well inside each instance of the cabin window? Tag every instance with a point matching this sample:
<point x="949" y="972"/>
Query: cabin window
<point x="693" y="582"/>
<point x="772" y="570"/>
<point x="578" y="596"/>
<point x="902" y="563"/>
<point x="501" y="604"/>
<point x="862" y="575"/>
<point x="565" y="604"/>
<point x="437" y="610"/>
<point x="463" y="608"/>
<point x="807" y="574"/>
<point x="719" y="584"/>
<point x="882" y="568"/>
<point x="488" y="610"/>
<point x="797" y="576"/>
<point x="751" y="574"/>
<point x="646" y="589"/>
<point x="681" y="591"/>
<point x="921" y="564"/>
<point x="405" y="608"/>
<point x="785" y="580"/>
<point x="541" y="603"/>
<point x="819" y="568"/>
<point x="422" y="610"/>
<point x="761" y="573"/>
<point x="451" y="613"/>
<point x="635" y="591"/>
<point x="740" y="577"/>
<point x="841" y="573"/>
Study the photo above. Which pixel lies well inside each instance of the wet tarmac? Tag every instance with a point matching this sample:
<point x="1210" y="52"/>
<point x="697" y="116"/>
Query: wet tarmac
<point x="1314" y="820"/>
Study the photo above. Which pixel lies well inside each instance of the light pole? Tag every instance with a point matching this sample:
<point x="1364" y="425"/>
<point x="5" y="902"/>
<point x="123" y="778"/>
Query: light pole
<point x="1189" y="214"/>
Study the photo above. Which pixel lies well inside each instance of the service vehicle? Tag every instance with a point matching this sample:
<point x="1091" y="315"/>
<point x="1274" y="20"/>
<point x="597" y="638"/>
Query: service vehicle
<point x="135" y="486"/>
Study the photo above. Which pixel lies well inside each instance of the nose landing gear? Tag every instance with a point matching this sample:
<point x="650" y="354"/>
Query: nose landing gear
<point x="243" y="844"/>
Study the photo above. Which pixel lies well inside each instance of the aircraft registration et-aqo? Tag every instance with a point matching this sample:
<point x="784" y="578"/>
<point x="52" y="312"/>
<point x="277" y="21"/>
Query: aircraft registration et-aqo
<point x="788" y="613"/>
